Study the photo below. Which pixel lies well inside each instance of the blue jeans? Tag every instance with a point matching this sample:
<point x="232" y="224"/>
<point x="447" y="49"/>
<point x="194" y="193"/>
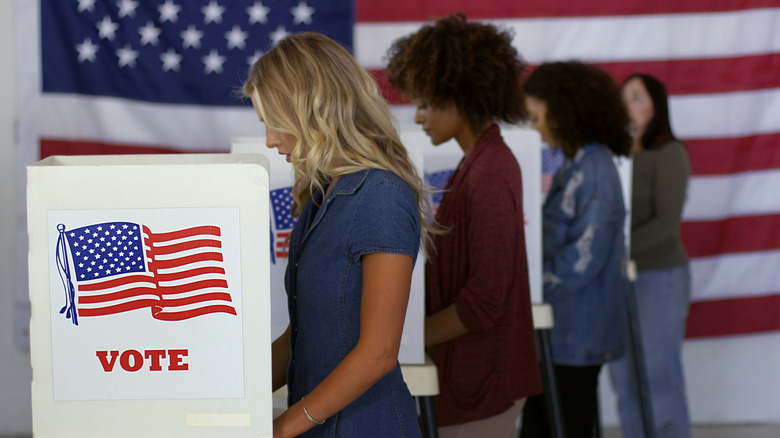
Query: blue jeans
<point x="663" y="297"/>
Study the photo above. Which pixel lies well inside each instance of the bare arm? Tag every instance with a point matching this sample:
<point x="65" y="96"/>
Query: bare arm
<point x="445" y="325"/>
<point x="280" y="357"/>
<point x="386" y="283"/>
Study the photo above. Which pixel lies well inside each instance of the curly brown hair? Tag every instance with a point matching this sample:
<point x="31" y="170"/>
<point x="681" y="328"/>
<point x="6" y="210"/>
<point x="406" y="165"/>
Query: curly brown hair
<point x="583" y="106"/>
<point x="472" y="65"/>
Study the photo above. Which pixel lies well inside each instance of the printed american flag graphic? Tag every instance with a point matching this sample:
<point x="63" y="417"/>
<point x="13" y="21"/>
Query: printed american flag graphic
<point x="281" y="203"/>
<point x="121" y="266"/>
<point x="438" y="181"/>
<point x="552" y="159"/>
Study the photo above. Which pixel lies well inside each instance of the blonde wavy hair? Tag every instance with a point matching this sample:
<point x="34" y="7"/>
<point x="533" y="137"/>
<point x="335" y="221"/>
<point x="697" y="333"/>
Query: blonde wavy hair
<point x="310" y="87"/>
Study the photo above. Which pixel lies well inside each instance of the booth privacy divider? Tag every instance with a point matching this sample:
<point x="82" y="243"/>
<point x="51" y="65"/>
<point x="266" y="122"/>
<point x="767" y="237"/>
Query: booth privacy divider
<point x="150" y="292"/>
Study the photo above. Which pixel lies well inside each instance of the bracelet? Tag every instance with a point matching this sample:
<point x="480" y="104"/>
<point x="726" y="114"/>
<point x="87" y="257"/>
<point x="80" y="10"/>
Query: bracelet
<point x="319" y="423"/>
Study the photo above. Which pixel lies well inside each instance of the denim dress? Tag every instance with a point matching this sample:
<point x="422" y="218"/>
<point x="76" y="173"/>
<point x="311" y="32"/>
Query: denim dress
<point x="584" y="255"/>
<point x="365" y="212"/>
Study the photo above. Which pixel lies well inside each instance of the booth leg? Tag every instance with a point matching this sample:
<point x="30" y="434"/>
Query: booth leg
<point x="428" y="417"/>
<point x="551" y="399"/>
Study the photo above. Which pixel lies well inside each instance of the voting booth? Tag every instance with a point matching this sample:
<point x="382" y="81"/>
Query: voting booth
<point x="435" y="164"/>
<point x="150" y="294"/>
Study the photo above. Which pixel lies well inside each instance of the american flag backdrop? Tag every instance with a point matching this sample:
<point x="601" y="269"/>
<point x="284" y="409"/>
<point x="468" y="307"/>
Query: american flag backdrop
<point x="144" y="76"/>
<point x="116" y="267"/>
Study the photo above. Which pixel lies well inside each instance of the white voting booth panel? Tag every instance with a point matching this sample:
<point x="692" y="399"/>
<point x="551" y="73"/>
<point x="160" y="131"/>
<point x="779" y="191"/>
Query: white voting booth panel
<point x="150" y="293"/>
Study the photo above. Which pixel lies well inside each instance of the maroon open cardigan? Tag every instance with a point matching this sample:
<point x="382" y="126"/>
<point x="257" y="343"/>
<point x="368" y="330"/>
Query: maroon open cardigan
<point x="481" y="265"/>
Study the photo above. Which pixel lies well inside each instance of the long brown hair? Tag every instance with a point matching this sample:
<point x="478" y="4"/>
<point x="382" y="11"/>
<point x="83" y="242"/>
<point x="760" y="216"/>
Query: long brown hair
<point x="658" y="130"/>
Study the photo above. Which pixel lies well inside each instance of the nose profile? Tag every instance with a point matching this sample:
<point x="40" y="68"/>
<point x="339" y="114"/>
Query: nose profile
<point x="271" y="140"/>
<point x="418" y="117"/>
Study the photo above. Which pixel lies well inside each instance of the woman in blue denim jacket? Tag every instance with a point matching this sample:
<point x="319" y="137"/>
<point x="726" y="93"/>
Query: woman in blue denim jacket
<point x="362" y="216"/>
<point x="577" y="108"/>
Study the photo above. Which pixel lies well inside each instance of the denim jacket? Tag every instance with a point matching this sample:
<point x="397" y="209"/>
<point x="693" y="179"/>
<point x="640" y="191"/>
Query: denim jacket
<point x="365" y="212"/>
<point x="584" y="258"/>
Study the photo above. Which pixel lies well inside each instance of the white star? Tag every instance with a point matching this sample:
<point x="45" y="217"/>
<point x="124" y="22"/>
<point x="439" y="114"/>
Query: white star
<point x="302" y="13"/>
<point x="87" y="50"/>
<point x="149" y="34"/>
<point x="255" y="56"/>
<point x="279" y="34"/>
<point x="127" y="8"/>
<point x="171" y="60"/>
<point x="258" y="13"/>
<point x="127" y="56"/>
<point x="86" y="5"/>
<point x="213" y="12"/>
<point x="107" y="28"/>
<point x="169" y="12"/>
<point x="236" y="38"/>
<point x="191" y="37"/>
<point x="213" y="62"/>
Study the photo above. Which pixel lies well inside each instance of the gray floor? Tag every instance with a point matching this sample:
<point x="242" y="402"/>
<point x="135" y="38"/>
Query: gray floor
<point x="719" y="431"/>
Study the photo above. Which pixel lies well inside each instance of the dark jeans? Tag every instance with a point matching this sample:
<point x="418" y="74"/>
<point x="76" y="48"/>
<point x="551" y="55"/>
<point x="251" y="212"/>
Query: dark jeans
<point x="577" y="395"/>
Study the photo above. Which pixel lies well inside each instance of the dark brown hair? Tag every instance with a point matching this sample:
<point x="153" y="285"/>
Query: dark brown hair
<point x="583" y="106"/>
<point x="658" y="130"/>
<point x="472" y="65"/>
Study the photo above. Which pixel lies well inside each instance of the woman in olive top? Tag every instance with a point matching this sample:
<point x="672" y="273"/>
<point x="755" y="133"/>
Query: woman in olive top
<point x="663" y="287"/>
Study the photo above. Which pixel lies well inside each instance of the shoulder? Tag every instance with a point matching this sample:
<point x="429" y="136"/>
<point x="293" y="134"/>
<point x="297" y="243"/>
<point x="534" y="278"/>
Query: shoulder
<point x="672" y="152"/>
<point x="673" y="148"/>
<point x="594" y="158"/>
<point x="495" y="162"/>
<point x="384" y="180"/>
<point x="383" y="189"/>
<point x="597" y="168"/>
<point x="367" y="180"/>
<point x="385" y="215"/>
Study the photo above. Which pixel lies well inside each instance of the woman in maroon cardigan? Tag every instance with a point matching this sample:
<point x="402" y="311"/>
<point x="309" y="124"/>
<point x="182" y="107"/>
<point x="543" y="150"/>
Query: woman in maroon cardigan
<point x="463" y="77"/>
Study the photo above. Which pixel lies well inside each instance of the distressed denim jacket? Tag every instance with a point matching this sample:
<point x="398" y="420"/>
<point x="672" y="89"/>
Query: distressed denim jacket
<point x="585" y="259"/>
<point x="365" y="212"/>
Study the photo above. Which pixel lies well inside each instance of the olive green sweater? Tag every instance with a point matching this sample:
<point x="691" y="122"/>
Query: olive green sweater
<point x="660" y="181"/>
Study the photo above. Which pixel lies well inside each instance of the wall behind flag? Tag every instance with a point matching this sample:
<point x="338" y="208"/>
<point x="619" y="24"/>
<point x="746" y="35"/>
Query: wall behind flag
<point x="15" y="371"/>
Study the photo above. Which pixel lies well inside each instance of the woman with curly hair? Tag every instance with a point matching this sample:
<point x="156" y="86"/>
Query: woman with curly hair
<point x="362" y="214"/>
<point x="463" y="77"/>
<point x="577" y="108"/>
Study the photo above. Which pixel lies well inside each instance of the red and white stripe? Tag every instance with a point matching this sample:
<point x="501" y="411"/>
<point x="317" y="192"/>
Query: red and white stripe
<point x="720" y="60"/>
<point x="721" y="64"/>
<point x="186" y="279"/>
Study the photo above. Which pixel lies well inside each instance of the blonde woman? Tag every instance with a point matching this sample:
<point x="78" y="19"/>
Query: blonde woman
<point x="362" y="217"/>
